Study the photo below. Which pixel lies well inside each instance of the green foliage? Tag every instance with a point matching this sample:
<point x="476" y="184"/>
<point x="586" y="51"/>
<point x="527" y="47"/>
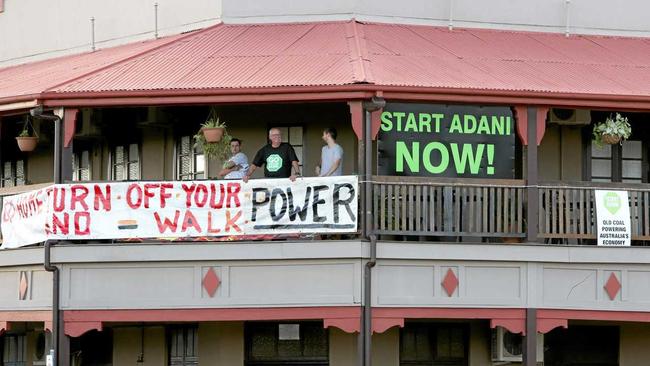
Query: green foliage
<point x="213" y="120"/>
<point x="618" y="126"/>
<point x="215" y="150"/>
<point x="24" y="133"/>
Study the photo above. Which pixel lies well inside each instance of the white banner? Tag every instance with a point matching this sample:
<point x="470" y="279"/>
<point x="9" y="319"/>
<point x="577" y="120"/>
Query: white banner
<point x="613" y="216"/>
<point x="123" y="210"/>
<point x="24" y="217"/>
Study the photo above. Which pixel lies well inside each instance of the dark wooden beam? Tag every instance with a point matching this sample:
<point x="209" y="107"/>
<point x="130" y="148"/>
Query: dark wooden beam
<point x="530" y="339"/>
<point x="532" y="212"/>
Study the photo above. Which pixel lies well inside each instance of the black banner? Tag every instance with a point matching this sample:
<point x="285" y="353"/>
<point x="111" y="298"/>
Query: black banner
<point x="446" y="141"/>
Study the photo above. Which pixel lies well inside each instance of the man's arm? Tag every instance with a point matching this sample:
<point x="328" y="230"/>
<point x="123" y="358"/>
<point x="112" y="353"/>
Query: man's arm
<point x="257" y="162"/>
<point x="296" y="170"/>
<point x="228" y="170"/>
<point x="319" y="167"/>
<point x="229" y="164"/>
<point x="228" y="167"/>
<point x="333" y="168"/>
<point x="250" y="171"/>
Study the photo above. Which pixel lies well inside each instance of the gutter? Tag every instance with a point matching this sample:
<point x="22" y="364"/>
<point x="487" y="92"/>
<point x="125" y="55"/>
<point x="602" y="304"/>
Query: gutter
<point x="342" y="92"/>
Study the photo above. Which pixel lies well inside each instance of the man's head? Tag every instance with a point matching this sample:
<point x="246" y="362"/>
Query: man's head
<point x="235" y="146"/>
<point x="329" y="134"/>
<point x="275" y="136"/>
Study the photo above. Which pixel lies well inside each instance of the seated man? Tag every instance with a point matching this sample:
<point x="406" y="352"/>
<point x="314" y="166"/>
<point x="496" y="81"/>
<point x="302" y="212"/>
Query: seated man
<point x="237" y="165"/>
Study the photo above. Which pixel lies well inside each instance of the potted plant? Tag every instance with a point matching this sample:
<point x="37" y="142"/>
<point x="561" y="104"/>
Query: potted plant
<point x="213" y="129"/>
<point x="27" y="142"/>
<point x="612" y="131"/>
<point x="216" y="150"/>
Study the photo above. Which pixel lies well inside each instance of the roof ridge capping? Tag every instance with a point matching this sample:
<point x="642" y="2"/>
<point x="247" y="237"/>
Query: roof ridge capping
<point x="358" y="52"/>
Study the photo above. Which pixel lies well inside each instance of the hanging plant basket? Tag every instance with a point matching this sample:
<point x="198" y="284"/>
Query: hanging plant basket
<point x="614" y="130"/>
<point x="610" y="139"/>
<point x="27" y="143"/>
<point x="212" y="134"/>
<point x="213" y="138"/>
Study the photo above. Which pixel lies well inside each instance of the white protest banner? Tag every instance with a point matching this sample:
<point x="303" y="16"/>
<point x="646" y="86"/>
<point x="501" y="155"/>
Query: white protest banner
<point x="613" y="216"/>
<point x="23" y="218"/>
<point x="179" y="209"/>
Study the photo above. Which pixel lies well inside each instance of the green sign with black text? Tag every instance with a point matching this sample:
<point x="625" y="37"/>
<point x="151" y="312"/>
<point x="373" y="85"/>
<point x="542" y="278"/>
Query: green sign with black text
<point x="446" y="141"/>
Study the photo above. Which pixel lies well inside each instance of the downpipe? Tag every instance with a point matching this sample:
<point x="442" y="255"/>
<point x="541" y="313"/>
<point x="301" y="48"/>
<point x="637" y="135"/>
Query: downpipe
<point x="367" y="304"/>
<point x="56" y="325"/>
<point x="47" y="262"/>
<point x="376" y="103"/>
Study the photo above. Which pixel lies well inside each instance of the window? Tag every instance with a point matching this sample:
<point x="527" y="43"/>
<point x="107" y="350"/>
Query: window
<point x="293" y="135"/>
<point x="583" y="345"/>
<point x="616" y="163"/>
<point x="13" y="350"/>
<point x="632" y="162"/>
<point x="13" y="173"/>
<point x="126" y="162"/>
<point x="427" y="344"/>
<point x="297" y="344"/>
<point x="92" y="348"/>
<point x="190" y="161"/>
<point x="81" y="166"/>
<point x="184" y="346"/>
<point x="601" y="163"/>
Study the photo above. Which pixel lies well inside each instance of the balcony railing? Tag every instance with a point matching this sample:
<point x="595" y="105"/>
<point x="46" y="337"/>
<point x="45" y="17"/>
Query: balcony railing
<point x="448" y="207"/>
<point x="568" y="210"/>
<point x="489" y="208"/>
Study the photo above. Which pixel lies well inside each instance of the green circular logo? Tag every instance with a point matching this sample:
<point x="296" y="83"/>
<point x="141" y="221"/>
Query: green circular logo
<point x="612" y="202"/>
<point x="273" y="163"/>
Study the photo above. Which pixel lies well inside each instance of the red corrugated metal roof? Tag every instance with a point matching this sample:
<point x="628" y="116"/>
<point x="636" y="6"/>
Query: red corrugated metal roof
<point x="333" y="54"/>
<point x="34" y="78"/>
<point x="234" y="56"/>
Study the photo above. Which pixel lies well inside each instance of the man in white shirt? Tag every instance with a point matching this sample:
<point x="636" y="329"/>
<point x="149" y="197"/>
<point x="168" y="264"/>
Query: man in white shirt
<point x="331" y="161"/>
<point x="237" y="166"/>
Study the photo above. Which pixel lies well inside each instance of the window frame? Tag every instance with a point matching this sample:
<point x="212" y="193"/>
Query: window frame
<point x="13" y="173"/>
<point x="431" y="329"/>
<point x="20" y="340"/>
<point x="195" y="151"/>
<point x="112" y="164"/>
<point x="77" y="159"/>
<point x="616" y="161"/>
<point x="183" y="332"/>
<point x="250" y="329"/>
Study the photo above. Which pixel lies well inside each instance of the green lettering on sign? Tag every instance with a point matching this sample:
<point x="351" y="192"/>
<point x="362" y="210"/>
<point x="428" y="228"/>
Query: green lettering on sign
<point x="444" y="158"/>
<point x="470" y="123"/>
<point x="403" y="154"/>
<point x="467" y="156"/>
<point x="483" y="126"/>
<point x="456" y="126"/>
<point x="411" y="125"/>
<point x="386" y="123"/>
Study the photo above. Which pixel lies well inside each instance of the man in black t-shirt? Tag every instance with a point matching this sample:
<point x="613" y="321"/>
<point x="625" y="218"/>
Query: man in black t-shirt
<point x="277" y="157"/>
